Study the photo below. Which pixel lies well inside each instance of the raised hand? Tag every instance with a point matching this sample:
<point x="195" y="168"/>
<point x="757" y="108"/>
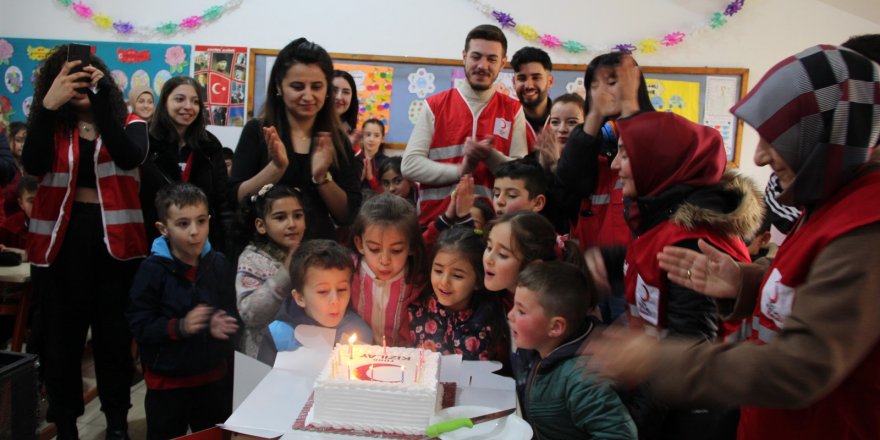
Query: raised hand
<point x="628" y="82"/>
<point x="322" y="154"/>
<point x="63" y="88"/>
<point x="277" y="152"/>
<point x="197" y="319"/>
<point x="548" y="151"/>
<point x="95" y="75"/>
<point x="478" y="151"/>
<point x="462" y="198"/>
<point x="355" y="136"/>
<point x="223" y="325"/>
<point x="712" y="273"/>
<point x="598" y="271"/>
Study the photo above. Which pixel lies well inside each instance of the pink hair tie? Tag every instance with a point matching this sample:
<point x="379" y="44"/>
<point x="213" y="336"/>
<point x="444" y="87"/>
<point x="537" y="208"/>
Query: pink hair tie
<point x="560" y="245"/>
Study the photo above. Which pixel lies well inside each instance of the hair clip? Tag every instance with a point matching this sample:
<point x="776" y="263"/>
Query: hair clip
<point x="262" y="192"/>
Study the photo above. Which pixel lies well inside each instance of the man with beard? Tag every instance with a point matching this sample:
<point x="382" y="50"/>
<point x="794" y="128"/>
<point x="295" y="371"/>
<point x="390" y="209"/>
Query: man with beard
<point x="467" y="130"/>
<point x="532" y="79"/>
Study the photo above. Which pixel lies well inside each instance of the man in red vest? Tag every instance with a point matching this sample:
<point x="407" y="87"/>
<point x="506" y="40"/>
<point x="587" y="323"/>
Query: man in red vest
<point x="469" y="129"/>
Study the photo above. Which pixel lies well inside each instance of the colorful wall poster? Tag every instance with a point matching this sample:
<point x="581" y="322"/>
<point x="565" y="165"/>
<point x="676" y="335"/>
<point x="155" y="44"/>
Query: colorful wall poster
<point x="130" y="65"/>
<point x="373" y="90"/>
<point x="222" y="70"/>
<point x="679" y="97"/>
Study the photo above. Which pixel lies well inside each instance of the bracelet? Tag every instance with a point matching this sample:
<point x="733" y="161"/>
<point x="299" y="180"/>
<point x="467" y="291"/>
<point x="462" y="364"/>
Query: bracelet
<point x="327" y="179"/>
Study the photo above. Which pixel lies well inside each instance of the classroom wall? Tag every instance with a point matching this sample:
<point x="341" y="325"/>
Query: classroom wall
<point x="764" y="31"/>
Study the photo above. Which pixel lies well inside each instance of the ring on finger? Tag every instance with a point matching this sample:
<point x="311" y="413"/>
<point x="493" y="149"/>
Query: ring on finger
<point x="689" y="274"/>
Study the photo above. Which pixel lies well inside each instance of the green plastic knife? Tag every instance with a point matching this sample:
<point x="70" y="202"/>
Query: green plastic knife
<point x="464" y="422"/>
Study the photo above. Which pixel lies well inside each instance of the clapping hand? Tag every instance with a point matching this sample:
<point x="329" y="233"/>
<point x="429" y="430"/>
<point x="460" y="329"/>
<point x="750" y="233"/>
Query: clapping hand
<point x="277" y="151"/>
<point x="322" y="154"/>
<point x="462" y="199"/>
<point x="548" y="151"/>
<point x="712" y="272"/>
<point x="223" y="325"/>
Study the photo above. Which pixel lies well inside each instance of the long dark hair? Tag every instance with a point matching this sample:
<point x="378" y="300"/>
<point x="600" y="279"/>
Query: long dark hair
<point x="387" y="209"/>
<point x="66" y="116"/>
<point x="350" y="116"/>
<point x="161" y="125"/>
<point x="610" y="61"/>
<point x="274" y="113"/>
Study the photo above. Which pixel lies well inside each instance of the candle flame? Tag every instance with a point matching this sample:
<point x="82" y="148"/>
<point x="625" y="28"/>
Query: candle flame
<point x="352" y="338"/>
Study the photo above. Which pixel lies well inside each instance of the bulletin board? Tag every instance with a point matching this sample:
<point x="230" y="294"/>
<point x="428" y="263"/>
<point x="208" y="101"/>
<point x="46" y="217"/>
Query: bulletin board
<point x="130" y="64"/>
<point x="396" y="89"/>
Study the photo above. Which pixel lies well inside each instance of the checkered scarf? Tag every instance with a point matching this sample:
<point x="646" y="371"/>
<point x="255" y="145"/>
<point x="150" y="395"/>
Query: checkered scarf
<point x="820" y="110"/>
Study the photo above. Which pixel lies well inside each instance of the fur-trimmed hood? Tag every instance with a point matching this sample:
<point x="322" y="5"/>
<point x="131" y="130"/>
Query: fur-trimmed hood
<point x="734" y="206"/>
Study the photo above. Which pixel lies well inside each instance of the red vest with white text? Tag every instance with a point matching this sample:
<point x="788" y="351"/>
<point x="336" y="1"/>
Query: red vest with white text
<point x="852" y="409"/>
<point x="645" y="283"/>
<point x="601" y="221"/>
<point x="123" y="221"/>
<point x="453" y="123"/>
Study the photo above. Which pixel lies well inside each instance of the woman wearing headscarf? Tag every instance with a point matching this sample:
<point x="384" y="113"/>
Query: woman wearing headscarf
<point x="810" y="370"/>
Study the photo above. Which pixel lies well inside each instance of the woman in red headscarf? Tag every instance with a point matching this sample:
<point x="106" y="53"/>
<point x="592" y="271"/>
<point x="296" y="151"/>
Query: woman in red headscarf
<point x="678" y="192"/>
<point x="811" y="371"/>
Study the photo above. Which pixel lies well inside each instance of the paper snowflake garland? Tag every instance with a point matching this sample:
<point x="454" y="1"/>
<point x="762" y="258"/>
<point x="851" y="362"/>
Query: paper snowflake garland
<point x="421" y="83"/>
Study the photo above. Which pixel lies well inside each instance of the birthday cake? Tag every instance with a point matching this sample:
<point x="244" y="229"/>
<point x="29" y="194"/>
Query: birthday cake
<point x="378" y="389"/>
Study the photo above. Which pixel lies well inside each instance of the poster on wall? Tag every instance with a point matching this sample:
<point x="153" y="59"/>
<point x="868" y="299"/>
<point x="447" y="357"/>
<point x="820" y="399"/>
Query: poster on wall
<point x="130" y="65"/>
<point x="373" y="91"/>
<point x="222" y="71"/>
<point x="679" y="97"/>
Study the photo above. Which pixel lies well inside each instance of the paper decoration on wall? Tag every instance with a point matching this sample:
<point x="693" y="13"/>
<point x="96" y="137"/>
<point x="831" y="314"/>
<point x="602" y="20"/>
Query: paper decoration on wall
<point x="6" y="111"/>
<point x="159" y="80"/>
<point x="165" y="28"/>
<point x="415" y="109"/>
<point x="130" y="65"/>
<point x="6" y="51"/>
<point x="421" y="83"/>
<point x="13" y="79"/>
<point x="679" y="97"/>
<point x="645" y="45"/>
<point x="374" y="91"/>
<point x="577" y="86"/>
<point x="222" y="70"/>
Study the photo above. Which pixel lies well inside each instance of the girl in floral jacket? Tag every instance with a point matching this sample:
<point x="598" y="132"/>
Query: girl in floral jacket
<point x="458" y="316"/>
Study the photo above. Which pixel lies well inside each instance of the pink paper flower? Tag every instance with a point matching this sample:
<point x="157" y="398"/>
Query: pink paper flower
<point x="175" y="56"/>
<point x="6" y="51"/>
<point x="191" y="22"/>
<point x="550" y="41"/>
<point x="672" y="39"/>
<point x="82" y="10"/>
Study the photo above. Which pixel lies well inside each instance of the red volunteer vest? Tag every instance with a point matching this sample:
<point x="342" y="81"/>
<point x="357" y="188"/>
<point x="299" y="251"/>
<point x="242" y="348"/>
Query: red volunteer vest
<point x="123" y="220"/>
<point x="645" y="283"/>
<point x="852" y="410"/>
<point x="453" y="123"/>
<point x="601" y="221"/>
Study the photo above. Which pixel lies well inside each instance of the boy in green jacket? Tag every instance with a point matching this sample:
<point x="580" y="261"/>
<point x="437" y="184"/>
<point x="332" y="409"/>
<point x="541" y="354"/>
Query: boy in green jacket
<point x="550" y="322"/>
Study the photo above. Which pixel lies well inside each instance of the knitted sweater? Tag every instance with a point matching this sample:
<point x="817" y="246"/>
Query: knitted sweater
<point x="261" y="284"/>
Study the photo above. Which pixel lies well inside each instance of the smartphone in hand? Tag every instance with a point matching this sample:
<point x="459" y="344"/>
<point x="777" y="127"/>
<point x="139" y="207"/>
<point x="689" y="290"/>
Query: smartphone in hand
<point x="83" y="53"/>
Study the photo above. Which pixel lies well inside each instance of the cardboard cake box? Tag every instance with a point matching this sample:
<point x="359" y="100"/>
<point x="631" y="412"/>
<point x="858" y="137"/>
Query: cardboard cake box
<point x="271" y="408"/>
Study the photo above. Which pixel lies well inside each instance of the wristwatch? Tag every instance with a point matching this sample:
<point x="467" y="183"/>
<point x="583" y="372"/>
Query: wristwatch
<point x="327" y="179"/>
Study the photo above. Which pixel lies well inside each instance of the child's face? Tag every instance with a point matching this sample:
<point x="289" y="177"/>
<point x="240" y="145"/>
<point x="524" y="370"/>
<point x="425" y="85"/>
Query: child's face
<point x="385" y="249"/>
<point x="394" y="183"/>
<point x="284" y="224"/>
<point x="500" y="262"/>
<point x="479" y="219"/>
<point x="186" y="229"/>
<point x="511" y="195"/>
<point x="623" y="167"/>
<point x="26" y="202"/>
<point x="373" y="138"/>
<point x="144" y="105"/>
<point x="564" y="116"/>
<point x="325" y="295"/>
<point x="529" y="324"/>
<point x="454" y="279"/>
<point x="18" y="143"/>
<point x="183" y="106"/>
<point x="341" y="95"/>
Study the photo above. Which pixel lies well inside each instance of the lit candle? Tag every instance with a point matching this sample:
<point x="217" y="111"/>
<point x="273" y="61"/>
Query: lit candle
<point x="371" y="372"/>
<point x="384" y="347"/>
<point x="402" y="369"/>
<point x="351" y="345"/>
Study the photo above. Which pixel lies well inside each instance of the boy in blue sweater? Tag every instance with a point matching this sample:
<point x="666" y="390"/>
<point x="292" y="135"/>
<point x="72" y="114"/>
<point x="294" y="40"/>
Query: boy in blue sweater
<point x="182" y="314"/>
<point x="321" y="272"/>
<point x="550" y="321"/>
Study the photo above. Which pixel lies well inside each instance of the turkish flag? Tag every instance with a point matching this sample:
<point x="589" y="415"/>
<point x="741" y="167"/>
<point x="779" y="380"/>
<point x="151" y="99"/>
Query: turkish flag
<point x="218" y="89"/>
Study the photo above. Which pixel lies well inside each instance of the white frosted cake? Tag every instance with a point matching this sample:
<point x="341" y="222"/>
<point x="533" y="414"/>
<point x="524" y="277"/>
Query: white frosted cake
<point x="391" y="390"/>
